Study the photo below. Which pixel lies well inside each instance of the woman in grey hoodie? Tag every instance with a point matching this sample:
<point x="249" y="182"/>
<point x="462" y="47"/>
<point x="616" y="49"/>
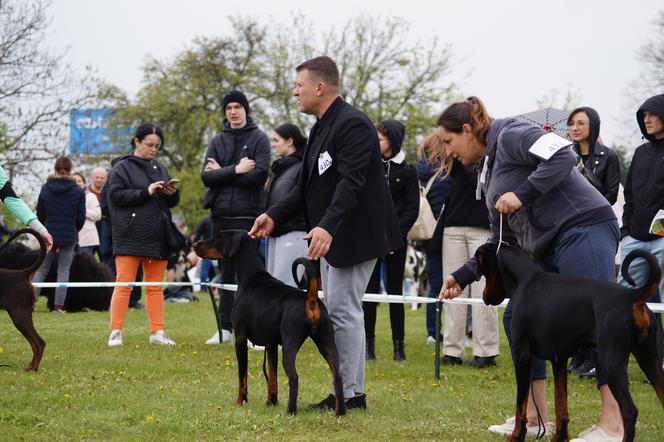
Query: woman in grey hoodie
<point x="553" y="213"/>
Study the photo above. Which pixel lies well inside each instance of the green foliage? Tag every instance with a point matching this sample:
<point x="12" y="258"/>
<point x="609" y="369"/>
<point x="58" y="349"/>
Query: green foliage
<point x="87" y="391"/>
<point x="382" y="74"/>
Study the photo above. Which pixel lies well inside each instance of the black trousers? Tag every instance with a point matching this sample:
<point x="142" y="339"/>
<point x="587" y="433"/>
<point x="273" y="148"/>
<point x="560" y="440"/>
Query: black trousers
<point x="394" y="265"/>
<point x="227" y="268"/>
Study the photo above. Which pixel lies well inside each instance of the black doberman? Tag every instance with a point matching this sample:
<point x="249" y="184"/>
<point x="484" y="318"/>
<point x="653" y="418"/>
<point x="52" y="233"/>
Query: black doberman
<point x="553" y="316"/>
<point x="17" y="296"/>
<point x="270" y="313"/>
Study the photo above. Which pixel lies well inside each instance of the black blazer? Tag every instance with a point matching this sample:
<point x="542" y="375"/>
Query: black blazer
<point x="350" y="199"/>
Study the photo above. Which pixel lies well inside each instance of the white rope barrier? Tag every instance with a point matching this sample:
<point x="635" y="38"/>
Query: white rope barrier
<point x="368" y="297"/>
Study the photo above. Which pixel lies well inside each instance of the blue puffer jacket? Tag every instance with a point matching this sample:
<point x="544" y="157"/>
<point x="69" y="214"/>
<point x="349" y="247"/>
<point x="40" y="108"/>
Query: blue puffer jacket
<point x="440" y="187"/>
<point x="61" y="208"/>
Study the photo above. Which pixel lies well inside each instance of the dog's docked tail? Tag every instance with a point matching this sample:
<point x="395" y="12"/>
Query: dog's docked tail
<point x="641" y="318"/>
<point x="29" y="271"/>
<point x="310" y="282"/>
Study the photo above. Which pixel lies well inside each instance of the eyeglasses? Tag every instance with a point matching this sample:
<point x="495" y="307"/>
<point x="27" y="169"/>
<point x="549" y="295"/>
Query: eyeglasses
<point x="154" y="146"/>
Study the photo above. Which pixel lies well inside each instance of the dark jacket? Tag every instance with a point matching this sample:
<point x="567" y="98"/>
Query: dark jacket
<point x="462" y="208"/>
<point x="285" y="174"/>
<point x="602" y="161"/>
<point x="230" y="194"/>
<point x="644" y="187"/>
<point x="439" y="189"/>
<point x="61" y="208"/>
<point x="348" y="195"/>
<point x="404" y="189"/>
<point x="137" y="218"/>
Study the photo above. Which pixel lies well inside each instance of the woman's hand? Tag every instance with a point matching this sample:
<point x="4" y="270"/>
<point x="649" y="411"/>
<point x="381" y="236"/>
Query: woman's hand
<point x="169" y="189"/>
<point x="245" y="165"/>
<point x="508" y="203"/>
<point x="451" y="288"/>
<point x="152" y="188"/>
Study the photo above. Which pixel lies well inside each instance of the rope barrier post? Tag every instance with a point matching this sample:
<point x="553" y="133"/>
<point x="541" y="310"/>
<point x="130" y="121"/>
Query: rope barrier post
<point x="439" y="306"/>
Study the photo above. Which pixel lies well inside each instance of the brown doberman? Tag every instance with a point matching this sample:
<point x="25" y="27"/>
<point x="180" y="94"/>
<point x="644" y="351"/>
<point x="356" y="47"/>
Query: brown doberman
<point x="17" y="296"/>
<point x="553" y="316"/>
<point x="270" y="313"/>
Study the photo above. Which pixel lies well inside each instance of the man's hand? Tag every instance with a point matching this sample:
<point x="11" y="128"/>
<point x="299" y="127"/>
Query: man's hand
<point x="48" y="239"/>
<point x="508" y="203"/>
<point x="245" y="165"/>
<point x="451" y="288"/>
<point x="263" y="226"/>
<point x="211" y="164"/>
<point x="320" y="243"/>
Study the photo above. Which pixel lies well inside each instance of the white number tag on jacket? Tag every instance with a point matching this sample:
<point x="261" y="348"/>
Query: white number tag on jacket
<point x="548" y="144"/>
<point x="324" y="162"/>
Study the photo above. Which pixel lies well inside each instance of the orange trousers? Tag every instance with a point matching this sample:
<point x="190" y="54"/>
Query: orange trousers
<point x="153" y="271"/>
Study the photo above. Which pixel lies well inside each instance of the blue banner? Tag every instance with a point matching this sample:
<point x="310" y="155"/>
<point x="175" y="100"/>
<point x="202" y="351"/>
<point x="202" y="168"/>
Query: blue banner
<point x="88" y="133"/>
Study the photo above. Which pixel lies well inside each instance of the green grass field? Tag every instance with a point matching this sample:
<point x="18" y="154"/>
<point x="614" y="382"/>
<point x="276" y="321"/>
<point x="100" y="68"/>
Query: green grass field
<point x="87" y="391"/>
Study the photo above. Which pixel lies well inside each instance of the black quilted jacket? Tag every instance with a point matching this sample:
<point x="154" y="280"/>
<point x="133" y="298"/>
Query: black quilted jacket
<point x="137" y="223"/>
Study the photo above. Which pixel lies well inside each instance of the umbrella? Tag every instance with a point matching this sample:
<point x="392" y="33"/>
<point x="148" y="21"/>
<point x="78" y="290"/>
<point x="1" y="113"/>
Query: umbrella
<point x="550" y="119"/>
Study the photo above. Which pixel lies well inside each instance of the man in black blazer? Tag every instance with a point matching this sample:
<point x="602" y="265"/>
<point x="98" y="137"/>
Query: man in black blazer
<point x="348" y="211"/>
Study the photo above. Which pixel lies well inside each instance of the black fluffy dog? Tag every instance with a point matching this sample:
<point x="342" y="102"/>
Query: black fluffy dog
<point x="553" y="316"/>
<point x="84" y="268"/>
<point x="271" y="313"/>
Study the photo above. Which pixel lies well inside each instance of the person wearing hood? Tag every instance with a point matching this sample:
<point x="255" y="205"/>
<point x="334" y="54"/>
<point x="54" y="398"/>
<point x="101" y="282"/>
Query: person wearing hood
<point x="598" y="163"/>
<point x="404" y="189"/>
<point x="61" y="208"/>
<point x="529" y="178"/>
<point x="234" y="172"/>
<point x="644" y="197"/>
<point x="600" y="166"/>
<point x="285" y="243"/>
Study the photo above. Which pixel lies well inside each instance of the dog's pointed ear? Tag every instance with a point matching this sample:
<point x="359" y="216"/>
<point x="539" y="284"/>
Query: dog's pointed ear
<point x="487" y="262"/>
<point x="233" y="241"/>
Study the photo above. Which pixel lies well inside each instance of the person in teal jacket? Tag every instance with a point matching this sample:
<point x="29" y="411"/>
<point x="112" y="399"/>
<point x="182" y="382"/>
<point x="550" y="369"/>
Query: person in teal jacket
<point x="20" y="210"/>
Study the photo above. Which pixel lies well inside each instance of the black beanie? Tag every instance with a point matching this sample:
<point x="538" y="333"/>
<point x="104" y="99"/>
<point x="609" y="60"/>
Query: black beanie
<point x="395" y="133"/>
<point x="235" y="97"/>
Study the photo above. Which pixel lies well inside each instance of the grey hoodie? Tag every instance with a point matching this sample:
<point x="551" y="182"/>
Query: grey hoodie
<point x="555" y="196"/>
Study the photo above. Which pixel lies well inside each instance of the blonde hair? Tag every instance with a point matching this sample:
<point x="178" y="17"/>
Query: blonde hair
<point x="432" y="149"/>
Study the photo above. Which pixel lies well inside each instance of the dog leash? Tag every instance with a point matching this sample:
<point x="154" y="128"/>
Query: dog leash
<point x="500" y="234"/>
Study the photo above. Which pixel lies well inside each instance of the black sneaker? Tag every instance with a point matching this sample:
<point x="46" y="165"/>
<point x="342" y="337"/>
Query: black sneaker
<point x="451" y="360"/>
<point x="356" y="402"/>
<point x="326" y="404"/>
<point x="483" y="361"/>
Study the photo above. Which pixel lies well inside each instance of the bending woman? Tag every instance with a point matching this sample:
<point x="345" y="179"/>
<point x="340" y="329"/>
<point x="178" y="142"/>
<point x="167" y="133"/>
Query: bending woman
<point x="553" y="213"/>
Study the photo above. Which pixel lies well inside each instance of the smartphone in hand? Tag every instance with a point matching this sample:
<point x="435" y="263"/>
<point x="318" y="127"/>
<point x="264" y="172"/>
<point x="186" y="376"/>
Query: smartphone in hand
<point x="172" y="181"/>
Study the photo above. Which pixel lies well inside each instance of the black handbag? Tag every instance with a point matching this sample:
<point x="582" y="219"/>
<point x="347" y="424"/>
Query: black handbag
<point x="591" y="177"/>
<point x="175" y="240"/>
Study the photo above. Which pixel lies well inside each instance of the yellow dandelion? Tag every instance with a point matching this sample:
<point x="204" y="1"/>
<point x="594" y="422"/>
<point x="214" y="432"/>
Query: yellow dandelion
<point x="149" y="419"/>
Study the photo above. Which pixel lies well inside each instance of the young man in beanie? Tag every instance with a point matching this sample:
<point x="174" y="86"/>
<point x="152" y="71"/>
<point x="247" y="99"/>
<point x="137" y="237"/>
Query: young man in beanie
<point x="234" y="172"/>
<point x="348" y="211"/>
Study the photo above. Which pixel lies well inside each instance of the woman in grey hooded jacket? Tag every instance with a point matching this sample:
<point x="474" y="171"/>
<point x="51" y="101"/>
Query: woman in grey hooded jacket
<point x="553" y="213"/>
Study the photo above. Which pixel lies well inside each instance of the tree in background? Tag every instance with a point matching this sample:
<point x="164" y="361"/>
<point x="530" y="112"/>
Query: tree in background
<point x="37" y="90"/>
<point x="381" y="74"/>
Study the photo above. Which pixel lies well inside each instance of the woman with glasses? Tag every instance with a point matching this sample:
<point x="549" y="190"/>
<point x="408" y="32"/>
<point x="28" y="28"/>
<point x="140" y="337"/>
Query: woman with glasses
<point x="140" y="195"/>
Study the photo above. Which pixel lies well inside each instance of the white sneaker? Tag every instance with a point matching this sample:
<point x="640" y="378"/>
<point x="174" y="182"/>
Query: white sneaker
<point x="226" y="338"/>
<point x="431" y="340"/>
<point x="531" y="430"/>
<point x="595" y="433"/>
<point x="161" y="338"/>
<point x="254" y="347"/>
<point x="115" y="339"/>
